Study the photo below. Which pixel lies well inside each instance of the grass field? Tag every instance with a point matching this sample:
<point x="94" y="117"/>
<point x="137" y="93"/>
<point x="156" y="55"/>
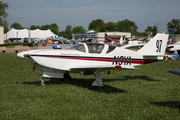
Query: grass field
<point x="127" y="94"/>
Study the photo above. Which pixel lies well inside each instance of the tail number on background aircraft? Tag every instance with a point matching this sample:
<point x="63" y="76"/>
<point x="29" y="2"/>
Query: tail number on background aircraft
<point x="158" y="45"/>
<point x="119" y="60"/>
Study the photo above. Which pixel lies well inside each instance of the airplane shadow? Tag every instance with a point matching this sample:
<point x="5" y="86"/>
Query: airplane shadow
<point x="172" y="104"/>
<point x="84" y="83"/>
<point x="125" y="78"/>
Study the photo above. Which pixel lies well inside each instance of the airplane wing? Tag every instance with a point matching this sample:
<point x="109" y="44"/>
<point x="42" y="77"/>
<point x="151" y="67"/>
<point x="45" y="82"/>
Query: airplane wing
<point x="100" y="68"/>
<point x="177" y="72"/>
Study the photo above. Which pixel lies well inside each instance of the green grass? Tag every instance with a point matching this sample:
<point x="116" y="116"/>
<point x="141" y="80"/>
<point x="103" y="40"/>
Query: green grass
<point x="10" y="45"/>
<point x="127" y="94"/>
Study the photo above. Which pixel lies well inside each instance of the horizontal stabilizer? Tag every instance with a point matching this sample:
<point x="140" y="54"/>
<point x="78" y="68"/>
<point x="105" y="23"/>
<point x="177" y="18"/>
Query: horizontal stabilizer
<point x="158" y="55"/>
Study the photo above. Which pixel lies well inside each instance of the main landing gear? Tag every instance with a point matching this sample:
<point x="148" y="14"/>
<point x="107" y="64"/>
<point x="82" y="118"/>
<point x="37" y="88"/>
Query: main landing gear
<point x="66" y="77"/>
<point x="98" y="82"/>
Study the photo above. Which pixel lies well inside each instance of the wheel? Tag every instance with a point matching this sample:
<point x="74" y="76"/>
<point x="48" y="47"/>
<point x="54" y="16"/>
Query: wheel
<point x="66" y="79"/>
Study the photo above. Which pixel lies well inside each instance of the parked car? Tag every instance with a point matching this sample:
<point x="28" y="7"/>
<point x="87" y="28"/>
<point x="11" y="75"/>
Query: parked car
<point x="26" y="43"/>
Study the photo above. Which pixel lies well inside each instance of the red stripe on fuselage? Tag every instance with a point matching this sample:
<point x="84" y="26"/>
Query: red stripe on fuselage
<point x="143" y="61"/>
<point x="133" y="61"/>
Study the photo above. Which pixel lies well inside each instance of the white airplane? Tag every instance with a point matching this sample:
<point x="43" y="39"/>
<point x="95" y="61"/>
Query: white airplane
<point x="174" y="47"/>
<point x="94" y="57"/>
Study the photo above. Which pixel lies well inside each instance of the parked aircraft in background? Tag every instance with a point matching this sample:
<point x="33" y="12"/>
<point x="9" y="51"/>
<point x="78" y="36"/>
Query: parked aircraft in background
<point x="177" y="72"/>
<point x="174" y="47"/>
<point x="94" y="57"/>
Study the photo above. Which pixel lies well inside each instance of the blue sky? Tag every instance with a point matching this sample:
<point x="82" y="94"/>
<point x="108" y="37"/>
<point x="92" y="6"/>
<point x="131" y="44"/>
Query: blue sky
<point x="81" y="12"/>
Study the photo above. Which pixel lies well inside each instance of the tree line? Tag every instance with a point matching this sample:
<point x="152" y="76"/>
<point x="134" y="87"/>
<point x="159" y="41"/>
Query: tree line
<point x="98" y="25"/>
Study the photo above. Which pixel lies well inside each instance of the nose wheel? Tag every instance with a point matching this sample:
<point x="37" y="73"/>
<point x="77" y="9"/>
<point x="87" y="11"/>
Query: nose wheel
<point x="66" y="78"/>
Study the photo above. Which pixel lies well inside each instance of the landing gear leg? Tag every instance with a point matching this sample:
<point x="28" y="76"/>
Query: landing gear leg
<point x="98" y="82"/>
<point x="41" y="82"/>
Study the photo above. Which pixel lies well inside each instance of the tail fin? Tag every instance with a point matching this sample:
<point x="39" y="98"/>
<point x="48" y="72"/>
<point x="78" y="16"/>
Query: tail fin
<point x="156" y="46"/>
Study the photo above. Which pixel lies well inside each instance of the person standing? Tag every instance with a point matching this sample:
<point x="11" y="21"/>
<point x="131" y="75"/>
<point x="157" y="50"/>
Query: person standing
<point x="22" y="40"/>
<point x="76" y="42"/>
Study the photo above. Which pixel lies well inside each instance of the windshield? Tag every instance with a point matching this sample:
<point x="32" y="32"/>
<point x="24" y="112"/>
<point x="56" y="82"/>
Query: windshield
<point x="111" y="48"/>
<point x="79" y="47"/>
<point x="95" y="47"/>
<point x="92" y="47"/>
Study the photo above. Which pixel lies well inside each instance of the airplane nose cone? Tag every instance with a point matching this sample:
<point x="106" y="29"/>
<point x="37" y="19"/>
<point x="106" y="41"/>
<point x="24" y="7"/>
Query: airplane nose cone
<point x="21" y="54"/>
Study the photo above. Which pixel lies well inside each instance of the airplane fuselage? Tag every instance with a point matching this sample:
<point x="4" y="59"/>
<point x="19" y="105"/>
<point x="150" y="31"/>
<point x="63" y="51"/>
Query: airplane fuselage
<point x="94" y="57"/>
<point x="71" y="60"/>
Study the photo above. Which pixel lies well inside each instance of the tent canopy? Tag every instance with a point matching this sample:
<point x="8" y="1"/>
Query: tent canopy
<point x="24" y="33"/>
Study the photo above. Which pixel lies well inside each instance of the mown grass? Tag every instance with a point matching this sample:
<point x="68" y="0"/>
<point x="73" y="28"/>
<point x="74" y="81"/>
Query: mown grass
<point x="127" y="94"/>
<point x="10" y="45"/>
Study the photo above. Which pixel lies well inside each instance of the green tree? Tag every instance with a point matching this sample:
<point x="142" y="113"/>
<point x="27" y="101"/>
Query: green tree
<point x="127" y="26"/>
<point x="142" y="34"/>
<point x="78" y="29"/>
<point x="16" y="25"/>
<point x="3" y="15"/>
<point x="68" y="31"/>
<point x="45" y="27"/>
<point x="174" y="26"/>
<point x="33" y="27"/>
<point x="5" y="25"/>
<point x="151" y="31"/>
<point x="54" y="28"/>
<point x="96" y="25"/>
<point x="61" y="33"/>
<point x="110" y="26"/>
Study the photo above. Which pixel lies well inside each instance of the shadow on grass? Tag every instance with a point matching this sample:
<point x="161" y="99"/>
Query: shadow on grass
<point x="84" y="83"/>
<point x="172" y="104"/>
<point x="125" y="78"/>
